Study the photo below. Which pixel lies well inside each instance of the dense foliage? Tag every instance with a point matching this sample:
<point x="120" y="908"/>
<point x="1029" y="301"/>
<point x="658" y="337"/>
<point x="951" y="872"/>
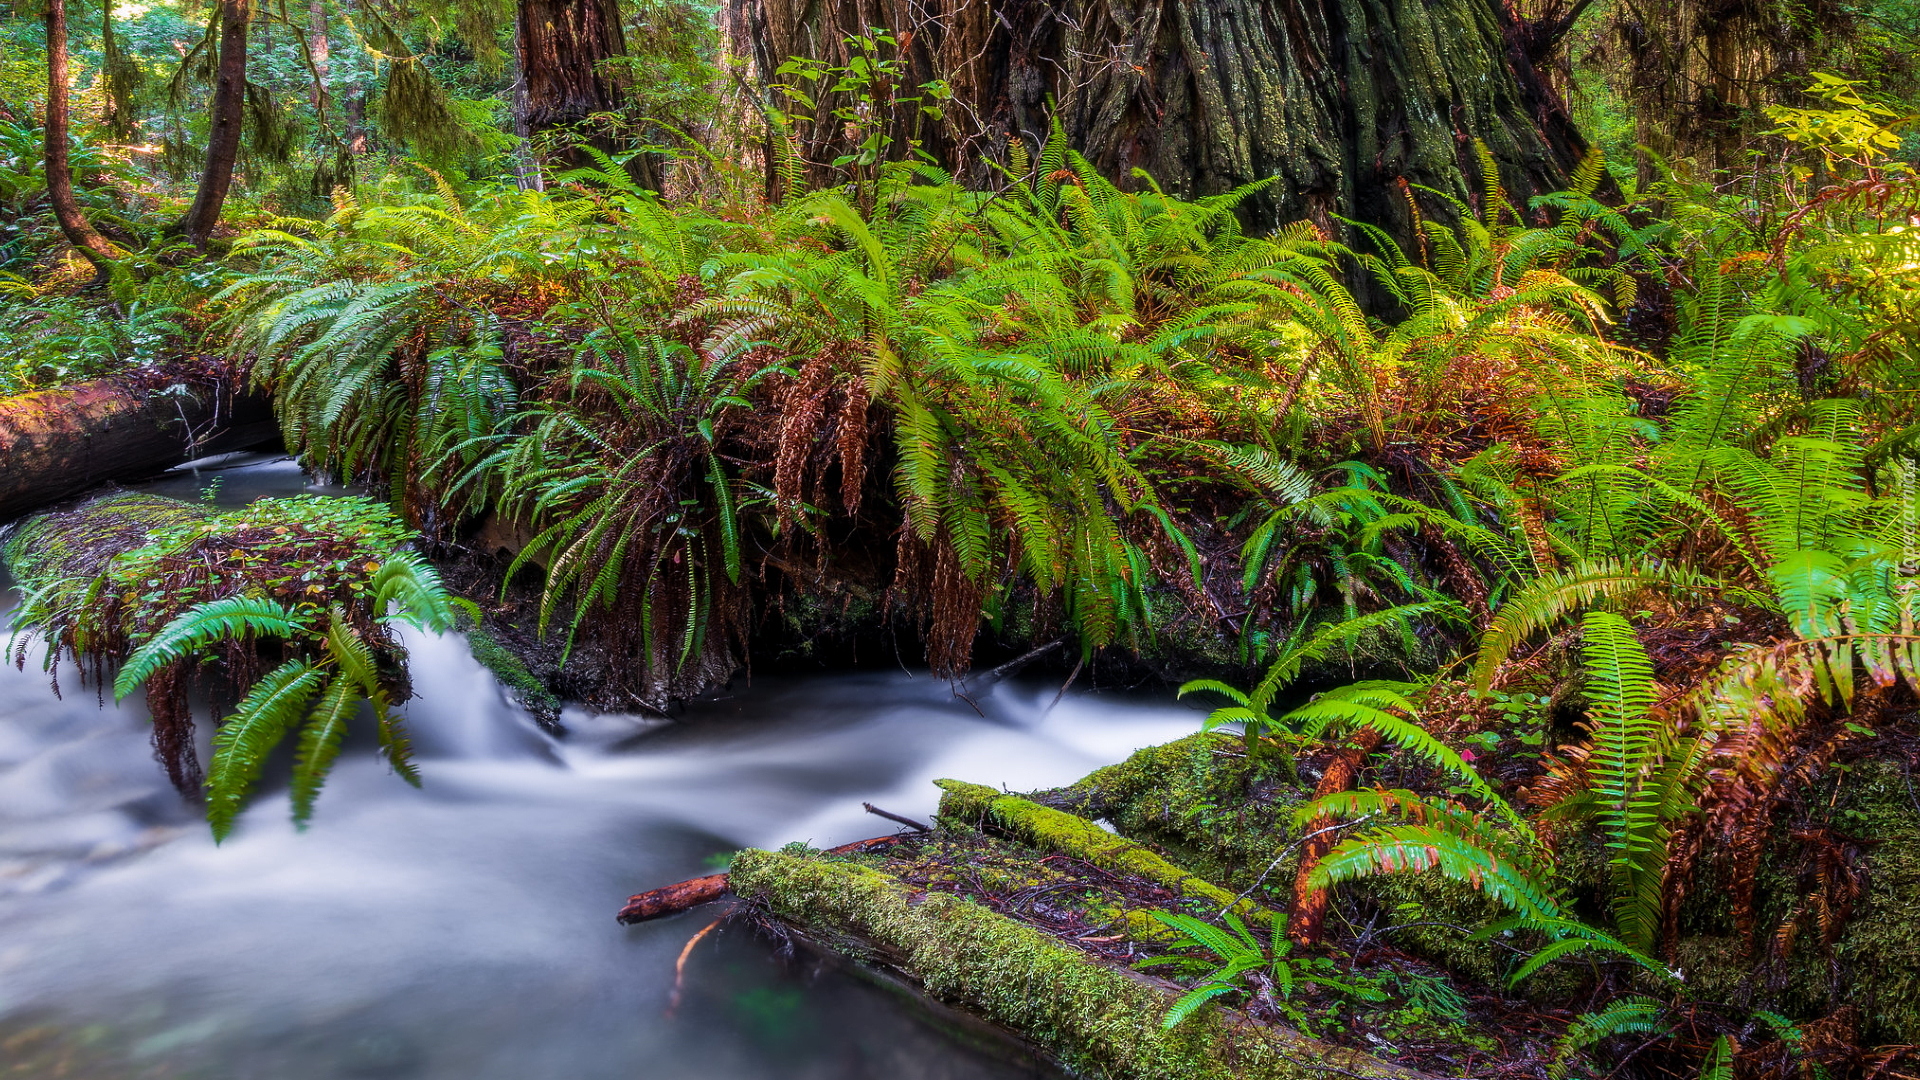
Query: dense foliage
<point x="1563" y="550"/>
<point x="289" y="605"/>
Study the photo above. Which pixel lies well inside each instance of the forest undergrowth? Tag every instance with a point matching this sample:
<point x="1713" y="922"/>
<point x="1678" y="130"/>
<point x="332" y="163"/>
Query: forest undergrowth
<point x="1610" y="497"/>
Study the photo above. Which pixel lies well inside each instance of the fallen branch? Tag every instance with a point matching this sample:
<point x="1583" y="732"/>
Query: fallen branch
<point x="907" y="821"/>
<point x="691" y="893"/>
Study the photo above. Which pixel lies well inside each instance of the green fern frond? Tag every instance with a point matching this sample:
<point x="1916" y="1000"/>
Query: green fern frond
<point x="320" y="743"/>
<point x="201" y="625"/>
<point x="1551" y="597"/>
<point x="269" y="710"/>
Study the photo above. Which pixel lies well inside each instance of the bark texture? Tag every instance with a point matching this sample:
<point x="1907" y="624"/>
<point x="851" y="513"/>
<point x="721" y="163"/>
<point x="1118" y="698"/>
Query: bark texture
<point x="66" y="208"/>
<point x="564" y="46"/>
<point x="58" y="443"/>
<point x="1339" y="99"/>
<point x="229" y="118"/>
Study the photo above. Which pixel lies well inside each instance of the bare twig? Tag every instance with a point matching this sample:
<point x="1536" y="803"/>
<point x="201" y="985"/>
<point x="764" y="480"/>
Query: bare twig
<point x="907" y="821"/>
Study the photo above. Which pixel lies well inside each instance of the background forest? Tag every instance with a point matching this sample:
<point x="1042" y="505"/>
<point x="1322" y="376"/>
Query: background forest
<point x="1573" y="416"/>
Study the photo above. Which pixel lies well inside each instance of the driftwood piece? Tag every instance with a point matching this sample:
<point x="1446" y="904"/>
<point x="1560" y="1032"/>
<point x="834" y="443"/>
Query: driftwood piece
<point x="691" y="893"/>
<point x="58" y="443"/>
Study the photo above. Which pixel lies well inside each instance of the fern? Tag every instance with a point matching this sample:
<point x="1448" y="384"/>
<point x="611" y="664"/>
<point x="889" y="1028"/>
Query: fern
<point x="273" y="706"/>
<point x="1413" y="848"/>
<point x="226" y="619"/>
<point x="1551" y="597"/>
<point x="1628" y="764"/>
<point x="320" y="742"/>
<point x="1628" y="1015"/>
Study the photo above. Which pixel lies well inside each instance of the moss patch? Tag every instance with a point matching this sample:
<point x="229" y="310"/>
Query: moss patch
<point x="1069" y="834"/>
<point x="512" y="671"/>
<point x="1880" y="949"/>
<point x="1099" y="1019"/>
<point x="1199" y="798"/>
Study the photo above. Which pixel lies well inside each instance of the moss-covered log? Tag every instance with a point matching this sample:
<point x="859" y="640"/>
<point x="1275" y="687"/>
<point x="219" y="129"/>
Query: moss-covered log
<point x="58" y="443"/>
<point x="1055" y="830"/>
<point x="1340" y="100"/>
<point x="1099" y="1019"/>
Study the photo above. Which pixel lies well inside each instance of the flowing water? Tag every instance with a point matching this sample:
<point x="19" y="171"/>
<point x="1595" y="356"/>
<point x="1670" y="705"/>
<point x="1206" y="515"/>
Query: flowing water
<point x="465" y="929"/>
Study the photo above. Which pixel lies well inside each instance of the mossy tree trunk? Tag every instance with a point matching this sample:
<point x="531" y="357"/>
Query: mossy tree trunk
<point x="66" y="208"/>
<point x="229" y="119"/>
<point x="1342" y="100"/>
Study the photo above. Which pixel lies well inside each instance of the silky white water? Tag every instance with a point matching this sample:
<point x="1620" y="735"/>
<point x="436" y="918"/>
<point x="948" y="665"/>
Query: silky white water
<point x="465" y="929"/>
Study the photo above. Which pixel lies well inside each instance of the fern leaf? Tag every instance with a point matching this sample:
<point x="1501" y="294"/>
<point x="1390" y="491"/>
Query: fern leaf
<point x="320" y="743"/>
<point x="200" y="626"/>
<point x="1413" y="848"/>
<point x="1551" y="597"/>
<point x="275" y="704"/>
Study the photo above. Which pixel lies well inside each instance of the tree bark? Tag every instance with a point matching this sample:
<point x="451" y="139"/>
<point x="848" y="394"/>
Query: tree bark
<point x="58" y="443"/>
<point x="229" y="117"/>
<point x="563" y="47"/>
<point x="320" y="51"/>
<point x="1339" y="99"/>
<point x="66" y="207"/>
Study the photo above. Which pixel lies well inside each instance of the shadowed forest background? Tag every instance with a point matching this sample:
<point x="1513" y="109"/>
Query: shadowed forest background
<point x="1504" y="412"/>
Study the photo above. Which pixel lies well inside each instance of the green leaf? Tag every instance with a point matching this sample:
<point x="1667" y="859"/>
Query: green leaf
<point x="240" y="747"/>
<point x="320" y="744"/>
<point x="202" y="625"/>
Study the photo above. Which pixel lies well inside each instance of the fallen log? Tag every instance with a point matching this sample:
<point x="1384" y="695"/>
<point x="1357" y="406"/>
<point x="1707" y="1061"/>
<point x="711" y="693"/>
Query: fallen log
<point x="691" y="893"/>
<point x="1099" y="1018"/>
<point x="58" y="443"/>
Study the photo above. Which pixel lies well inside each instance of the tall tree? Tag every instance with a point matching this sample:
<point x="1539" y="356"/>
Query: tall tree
<point x="1342" y="100"/>
<point x="319" y="54"/>
<point x="66" y="207"/>
<point x="564" y="51"/>
<point x="229" y="118"/>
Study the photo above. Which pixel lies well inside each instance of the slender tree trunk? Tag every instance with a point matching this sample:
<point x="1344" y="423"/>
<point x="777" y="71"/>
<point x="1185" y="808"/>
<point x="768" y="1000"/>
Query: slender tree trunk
<point x="526" y="164"/>
<point x="117" y="78"/>
<point x="229" y="117"/>
<point x="320" y="49"/>
<point x="563" y="47"/>
<point x="79" y="231"/>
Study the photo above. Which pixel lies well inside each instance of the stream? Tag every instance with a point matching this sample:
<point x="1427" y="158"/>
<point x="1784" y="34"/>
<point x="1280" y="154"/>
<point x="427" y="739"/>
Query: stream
<point x="465" y="929"/>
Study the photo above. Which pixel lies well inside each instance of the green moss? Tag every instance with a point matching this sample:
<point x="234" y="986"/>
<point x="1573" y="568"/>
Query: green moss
<point x="1198" y="798"/>
<point x="514" y="674"/>
<point x="1880" y="950"/>
<point x="1056" y="830"/>
<point x="1099" y="1020"/>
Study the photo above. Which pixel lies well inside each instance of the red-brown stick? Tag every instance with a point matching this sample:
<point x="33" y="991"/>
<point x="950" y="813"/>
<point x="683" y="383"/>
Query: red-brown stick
<point x="1310" y="904"/>
<point x="678" y="897"/>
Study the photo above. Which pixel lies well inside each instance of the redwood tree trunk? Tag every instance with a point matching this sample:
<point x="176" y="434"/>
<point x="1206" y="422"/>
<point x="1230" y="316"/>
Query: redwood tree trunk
<point x="79" y="231"/>
<point x="229" y="117"/>
<point x="563" y="47"/>
<point x="1339" y="99"/>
